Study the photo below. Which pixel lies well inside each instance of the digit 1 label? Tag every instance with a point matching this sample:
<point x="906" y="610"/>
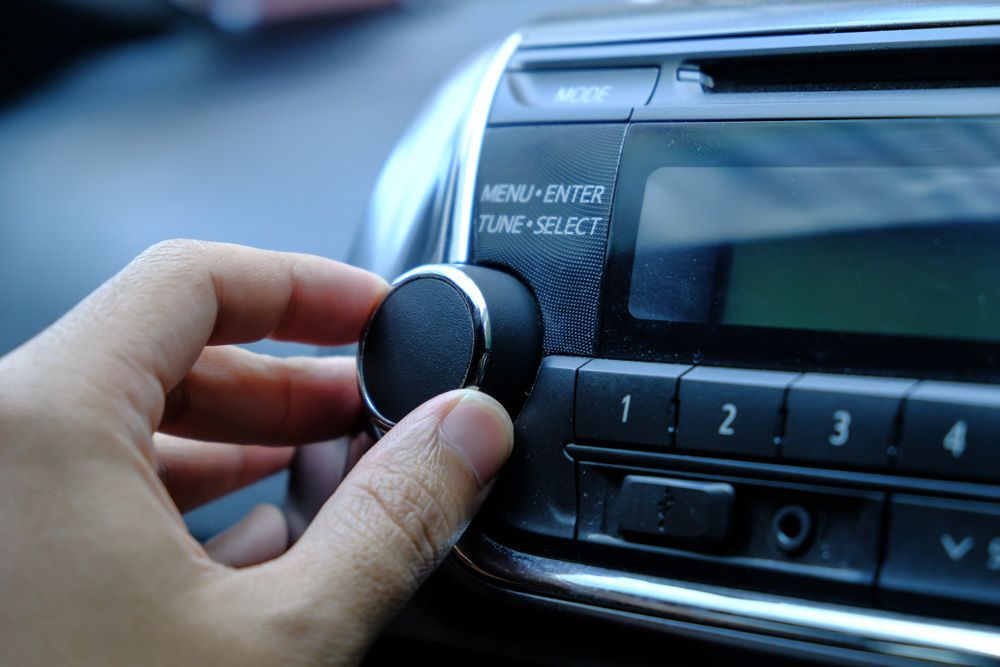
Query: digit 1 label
<point x="626" y="404"/>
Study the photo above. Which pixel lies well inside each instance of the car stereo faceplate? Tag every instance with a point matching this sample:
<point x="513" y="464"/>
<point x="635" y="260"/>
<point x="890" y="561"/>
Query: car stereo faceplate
<point x="766" y="262"/>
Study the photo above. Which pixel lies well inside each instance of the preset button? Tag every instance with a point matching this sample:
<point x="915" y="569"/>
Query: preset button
<point x="731" y="411"/>
<point x="952" y="430"/>
<point x="628" y="402"/>
<point x="842" y="419"/>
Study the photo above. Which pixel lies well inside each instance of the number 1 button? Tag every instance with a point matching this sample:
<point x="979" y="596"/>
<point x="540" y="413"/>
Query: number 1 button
<point x="626" y="402"/>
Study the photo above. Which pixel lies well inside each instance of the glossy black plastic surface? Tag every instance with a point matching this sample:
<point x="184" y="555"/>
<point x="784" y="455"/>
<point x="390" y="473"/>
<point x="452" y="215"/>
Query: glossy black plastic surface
<point x="536" y="492"/>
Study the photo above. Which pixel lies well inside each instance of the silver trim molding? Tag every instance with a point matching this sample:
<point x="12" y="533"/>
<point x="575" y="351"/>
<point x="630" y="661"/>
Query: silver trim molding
<point x="877" y="632"/>
<point x="460" y="221"/>
<point x="408" y="218"/>
<point x="648" y="20"/>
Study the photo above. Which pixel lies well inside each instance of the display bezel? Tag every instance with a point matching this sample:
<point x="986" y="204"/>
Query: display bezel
<point x="624" y="337"/>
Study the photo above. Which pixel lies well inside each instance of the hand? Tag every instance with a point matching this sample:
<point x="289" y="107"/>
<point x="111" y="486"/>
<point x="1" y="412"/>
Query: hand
<point x="112" y="423"/>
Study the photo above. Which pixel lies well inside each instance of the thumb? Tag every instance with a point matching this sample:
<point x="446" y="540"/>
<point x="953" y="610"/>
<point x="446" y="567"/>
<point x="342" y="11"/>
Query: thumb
<point x="395" y="518"/>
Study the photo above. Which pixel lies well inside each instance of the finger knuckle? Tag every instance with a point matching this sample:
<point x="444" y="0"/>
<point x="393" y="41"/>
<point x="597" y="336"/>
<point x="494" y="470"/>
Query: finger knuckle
<point x="170" y="263"/>
<point x="175" y="248"/>
<point x="171" y="259"/>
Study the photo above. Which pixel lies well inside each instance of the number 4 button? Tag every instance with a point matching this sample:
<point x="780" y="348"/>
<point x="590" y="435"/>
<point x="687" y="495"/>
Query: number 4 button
<point x="951" y="430"/>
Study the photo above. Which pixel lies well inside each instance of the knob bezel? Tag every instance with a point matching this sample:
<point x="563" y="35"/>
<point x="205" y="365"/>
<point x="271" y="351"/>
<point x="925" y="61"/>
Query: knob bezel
<point x="482" y="332"/>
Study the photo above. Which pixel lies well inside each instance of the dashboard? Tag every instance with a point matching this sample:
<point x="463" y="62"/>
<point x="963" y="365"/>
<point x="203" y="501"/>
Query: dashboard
<point x="734" y="268"/>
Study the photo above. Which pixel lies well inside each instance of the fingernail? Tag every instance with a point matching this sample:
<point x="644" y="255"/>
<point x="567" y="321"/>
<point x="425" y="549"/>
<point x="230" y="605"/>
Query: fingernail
<point x="481" y="430"/>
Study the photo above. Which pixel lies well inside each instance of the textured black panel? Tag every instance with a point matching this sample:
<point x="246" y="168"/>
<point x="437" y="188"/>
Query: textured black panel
<point x="419" y="344"/>
<point x="524" y="222"/>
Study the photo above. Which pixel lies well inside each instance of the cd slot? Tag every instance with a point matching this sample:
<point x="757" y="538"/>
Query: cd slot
<point x="872" y="70"/>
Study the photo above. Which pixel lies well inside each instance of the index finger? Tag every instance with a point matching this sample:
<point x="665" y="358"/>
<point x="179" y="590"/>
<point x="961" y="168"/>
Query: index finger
<point x="151" y="321"/>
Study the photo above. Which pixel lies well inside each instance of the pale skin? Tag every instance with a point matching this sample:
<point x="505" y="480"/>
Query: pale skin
<point x="135" y="407"/>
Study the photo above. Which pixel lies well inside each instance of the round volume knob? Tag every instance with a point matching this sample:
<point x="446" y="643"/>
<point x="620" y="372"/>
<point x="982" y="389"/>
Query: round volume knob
<point x="444" y="327"/>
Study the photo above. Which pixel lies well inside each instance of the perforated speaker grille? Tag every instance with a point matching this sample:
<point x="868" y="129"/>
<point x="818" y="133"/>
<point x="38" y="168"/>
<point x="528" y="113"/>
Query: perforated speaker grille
<point x="543" y="201"/>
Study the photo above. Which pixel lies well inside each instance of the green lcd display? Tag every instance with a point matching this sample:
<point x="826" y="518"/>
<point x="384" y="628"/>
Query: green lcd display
<point x="926" y="282"/>
<point x="821" y="229"/>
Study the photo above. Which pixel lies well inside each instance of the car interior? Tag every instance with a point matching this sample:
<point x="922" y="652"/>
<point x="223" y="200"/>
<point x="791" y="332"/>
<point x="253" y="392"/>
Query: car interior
<point x="732" y="267"/>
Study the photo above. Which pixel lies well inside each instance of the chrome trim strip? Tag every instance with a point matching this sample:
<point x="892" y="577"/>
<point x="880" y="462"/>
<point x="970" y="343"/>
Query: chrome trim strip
<point x="406" y="221"/>
<point x="649" y="20"/>
<point x="482" y="344"/>
<point x="877" y="632"/>
<point x="460" y="231"/>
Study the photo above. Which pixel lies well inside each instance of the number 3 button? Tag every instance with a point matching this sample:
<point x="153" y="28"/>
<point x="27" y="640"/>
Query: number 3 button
<point x="842" y="419"/>
<point x="731" y="411"/>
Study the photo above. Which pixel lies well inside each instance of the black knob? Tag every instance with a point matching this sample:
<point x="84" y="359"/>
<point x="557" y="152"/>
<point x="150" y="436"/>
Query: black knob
<point x="444" y="327"/>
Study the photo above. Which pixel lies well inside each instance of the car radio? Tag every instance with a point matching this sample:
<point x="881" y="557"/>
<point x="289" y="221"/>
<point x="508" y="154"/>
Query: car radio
<point x="737" y="275"/>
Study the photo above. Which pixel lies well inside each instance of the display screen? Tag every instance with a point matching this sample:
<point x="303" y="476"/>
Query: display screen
<point x="867" y="227"/>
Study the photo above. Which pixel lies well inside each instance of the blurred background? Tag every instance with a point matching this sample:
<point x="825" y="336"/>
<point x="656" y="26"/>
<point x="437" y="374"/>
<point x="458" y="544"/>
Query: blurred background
<point x="260" y="122"/>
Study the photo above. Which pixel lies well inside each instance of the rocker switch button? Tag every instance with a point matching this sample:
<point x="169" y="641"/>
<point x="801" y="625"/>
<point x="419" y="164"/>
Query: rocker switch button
<point x="654" y="509"/>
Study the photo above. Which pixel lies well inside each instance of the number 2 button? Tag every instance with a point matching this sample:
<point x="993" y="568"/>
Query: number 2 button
<point x="731" y="411"/>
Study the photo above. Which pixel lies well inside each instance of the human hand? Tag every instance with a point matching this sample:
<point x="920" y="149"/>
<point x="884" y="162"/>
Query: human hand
<point x="113" y="421"/>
